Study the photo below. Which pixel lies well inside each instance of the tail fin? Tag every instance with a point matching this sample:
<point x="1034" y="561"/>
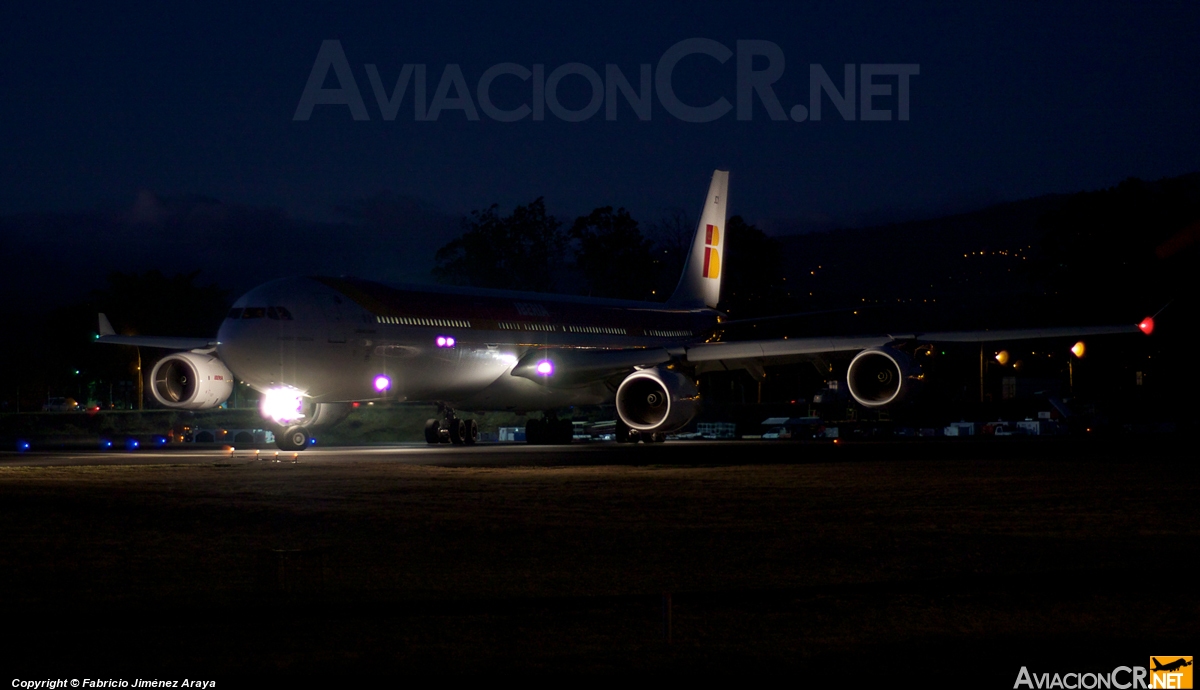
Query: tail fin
<point x="700" y="284"/>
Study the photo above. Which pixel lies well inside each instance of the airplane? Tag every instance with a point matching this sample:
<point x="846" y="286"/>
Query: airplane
<point x="1172" y="666"/>
<point x="312" y="346"/>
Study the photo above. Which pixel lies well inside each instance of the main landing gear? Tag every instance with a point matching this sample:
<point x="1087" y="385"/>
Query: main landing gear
<point x="549" y="430"/>
<point x="451" y="428"/>
<point x="627" y="435"/>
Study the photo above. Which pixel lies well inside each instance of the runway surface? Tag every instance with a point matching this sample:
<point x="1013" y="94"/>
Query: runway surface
<point x="730" y="453"/>
<point x="929" y="562"/>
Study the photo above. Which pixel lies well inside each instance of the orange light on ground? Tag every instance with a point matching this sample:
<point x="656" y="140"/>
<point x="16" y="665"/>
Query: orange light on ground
<point x="1147" y="325"/>
<point x="1002" y="357"/>
<point x="1078" y="349"/>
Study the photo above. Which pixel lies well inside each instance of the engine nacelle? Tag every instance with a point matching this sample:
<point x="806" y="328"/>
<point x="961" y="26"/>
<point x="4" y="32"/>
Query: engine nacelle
<point x="657" y="400"/>
<point x="881" y="376"/>
<point x="190" y="381"/>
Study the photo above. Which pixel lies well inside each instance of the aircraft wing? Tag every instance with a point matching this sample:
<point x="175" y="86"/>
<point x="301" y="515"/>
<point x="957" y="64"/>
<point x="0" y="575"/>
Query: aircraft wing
<point x="108" y="335"/>
<point x="765" y="349"/>
<point x="573" y="367"/>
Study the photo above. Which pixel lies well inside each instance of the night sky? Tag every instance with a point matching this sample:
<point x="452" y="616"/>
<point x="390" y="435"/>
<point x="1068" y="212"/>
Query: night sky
<point x="103" y="103"/>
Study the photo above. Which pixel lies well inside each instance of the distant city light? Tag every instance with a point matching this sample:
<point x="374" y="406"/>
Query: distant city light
<point x="1002" y="357"/>
<point x="545" y="368"/>
<point x="1078" y="349"/>
<point x="382" y="383"/>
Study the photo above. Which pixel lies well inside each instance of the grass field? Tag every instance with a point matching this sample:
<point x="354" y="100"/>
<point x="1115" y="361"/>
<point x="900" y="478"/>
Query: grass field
<point x="889" y="566"/>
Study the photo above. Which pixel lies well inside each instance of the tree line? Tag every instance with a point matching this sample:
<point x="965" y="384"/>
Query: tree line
<point x="606" y="253"/>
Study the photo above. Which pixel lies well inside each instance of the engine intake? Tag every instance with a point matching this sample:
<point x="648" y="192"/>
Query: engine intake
<point x="190" y="381"/>
<point x="657" y="400"/>
<point x="881" y="376"/>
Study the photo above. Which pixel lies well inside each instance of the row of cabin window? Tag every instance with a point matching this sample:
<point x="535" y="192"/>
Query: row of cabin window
<point x="272" y="313"/>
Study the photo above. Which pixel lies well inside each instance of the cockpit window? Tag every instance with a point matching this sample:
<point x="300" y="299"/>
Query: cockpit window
<point x="235" y="313"/>
<point x="284" y="314"/>
<point x="254" y="312"/>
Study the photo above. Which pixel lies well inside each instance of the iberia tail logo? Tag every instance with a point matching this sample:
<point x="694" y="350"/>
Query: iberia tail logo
<point x="712" y="256"/>
<point x="1170" y="672"/>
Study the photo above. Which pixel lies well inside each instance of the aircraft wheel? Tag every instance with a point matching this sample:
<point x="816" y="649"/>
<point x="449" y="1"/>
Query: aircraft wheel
<point x="433" y="431"/>
<point x="533" y="431"/>
<point x="626" y="435"/>
<point x="565" y="431"/>
<point x="458" y="431"/>
<point x="293" y="438"/>
<point x="472" y="434"/>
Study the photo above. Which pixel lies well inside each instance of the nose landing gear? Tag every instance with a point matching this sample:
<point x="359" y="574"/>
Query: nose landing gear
<point x="293" y="438"/>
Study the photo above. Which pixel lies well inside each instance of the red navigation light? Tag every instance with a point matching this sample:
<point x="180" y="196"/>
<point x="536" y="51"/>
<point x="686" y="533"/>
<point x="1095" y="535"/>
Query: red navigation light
<point x="1147" y="325"/>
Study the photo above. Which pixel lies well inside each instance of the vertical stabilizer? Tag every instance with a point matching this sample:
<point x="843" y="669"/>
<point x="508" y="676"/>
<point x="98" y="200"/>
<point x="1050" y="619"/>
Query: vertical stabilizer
<point x="700" y="284"/>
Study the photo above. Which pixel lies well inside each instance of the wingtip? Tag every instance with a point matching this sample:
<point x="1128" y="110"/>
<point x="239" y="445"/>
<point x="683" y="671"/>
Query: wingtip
<point x="105" y="326"/>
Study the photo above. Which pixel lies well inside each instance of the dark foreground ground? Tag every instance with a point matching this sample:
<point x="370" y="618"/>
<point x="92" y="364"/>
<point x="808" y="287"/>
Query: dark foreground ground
<point x="948" y="563"/>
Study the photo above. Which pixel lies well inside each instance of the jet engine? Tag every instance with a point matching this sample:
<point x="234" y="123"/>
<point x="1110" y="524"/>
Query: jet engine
<point x="657" y="400"/>
<point x="190" y="381"/>
<point x="880" y="376"/>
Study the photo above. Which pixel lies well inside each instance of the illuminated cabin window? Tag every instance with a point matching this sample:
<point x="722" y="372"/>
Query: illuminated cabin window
<point x="595" y="329"/>
<point x="517" y="326"/>
<point x="668" y="334"/>
<point x="416" y="321"/>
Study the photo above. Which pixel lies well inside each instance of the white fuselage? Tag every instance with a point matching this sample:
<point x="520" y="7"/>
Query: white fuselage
<point x="332" y="338"/>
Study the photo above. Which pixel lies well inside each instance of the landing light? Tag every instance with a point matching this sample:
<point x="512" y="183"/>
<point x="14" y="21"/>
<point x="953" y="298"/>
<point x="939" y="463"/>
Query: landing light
<point x="382" y="383"/>
<point x="282" y="404"/>
<point x="545" y="368"/>
<point x="1147" y="325"/>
